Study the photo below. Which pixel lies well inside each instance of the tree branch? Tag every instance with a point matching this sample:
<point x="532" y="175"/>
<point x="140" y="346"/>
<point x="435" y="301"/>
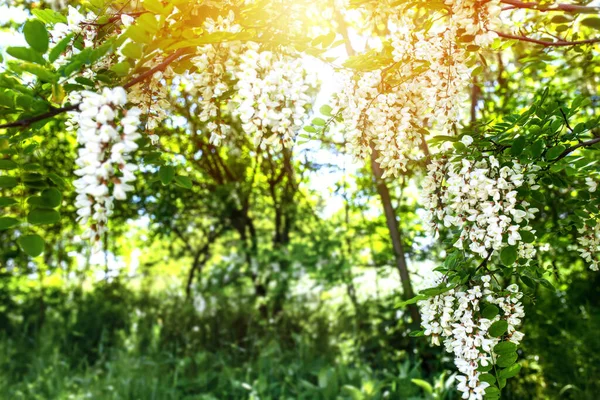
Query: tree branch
<point x="571" y="149"/>
<point x="159" y="67"/>
<point x="56" y="111"/>
<point x="570" y="8"/>
<point x="546" y="43"/>
<point x="28" y="121"/>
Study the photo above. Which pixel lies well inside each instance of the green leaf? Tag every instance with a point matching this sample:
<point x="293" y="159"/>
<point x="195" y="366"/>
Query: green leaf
<point x="49" y="16"/>
<point x="184" y="182"/>
<point x="166" y="173"/>
<point x="490" y="311"/>
<point x="517" y="146"/>
<point x="538" y="196"/>
<point x="528" y="281"/>
<point x="489" y="378"/>
<point x="416" y="333"/>
<point x="43" y="216"/>
<point x="53" y="197"/>
<point x="50" y="198"/>
<point x="59" y="48"/>
<point x="33" y="245"/>
<point x="426" y="386"/>
<point x="509" y="255"/>
<point x="498" y="328"/>
<point x="459" y="146"/>
<point x="138" y="34"/>
<point x="154" y="6"/>
<point x="326" y="110"/>
<point x="8" y="222"/>
<point x="412" y="300"/>
<point x="42" y="73"/>
<point x="7" y="201"/>
<point x="560" y="19"/>
<point x="555" y="151"/>
<point x="591" y="23"/>
<point x="492" y="392"/>
<point x="510" y="371"/>
<point x="8" y="182"/>
<point x="132" y="50"/>
<point x="26" y="54"/>
<point x="318" y="121"/>
<point x="485" y="368"/>
<point x="57" y="180"/>
<point x="36" y="35"/>
<point x="505" y="347"/>
<point x="121" y="69"/>
<point x="546" y="283"/>
<point x="537" y="148"/>
<point x="352" y="392"/>
<point x="8" y="164"/>
<point x="527" y="236"/>
<point x="501" y="383"/>
<point x="506" y="359"/>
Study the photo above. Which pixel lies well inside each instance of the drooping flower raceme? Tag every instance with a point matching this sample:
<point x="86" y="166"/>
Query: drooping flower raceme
<point x="382" y="119"/>
<point x="76" y="25"/>
<point x="151" y="97"/>
<point x="106" y="133"/>
<point x="390" y="110"/>
<point x="480" y="199"/>
<point x="273" y="91"/>
<point x="456" y="317"/>
<point x="588" y="245"/>
<point x="269" y="92"/>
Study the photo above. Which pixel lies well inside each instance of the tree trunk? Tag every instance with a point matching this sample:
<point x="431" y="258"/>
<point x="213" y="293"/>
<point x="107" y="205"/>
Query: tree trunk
<point x="396" y="237"/>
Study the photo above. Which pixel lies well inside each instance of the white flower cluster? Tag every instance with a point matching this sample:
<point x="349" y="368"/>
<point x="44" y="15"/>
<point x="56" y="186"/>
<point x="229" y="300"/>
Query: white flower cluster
<point x="589" y="245"/>
<point x="107" y="134"/>
<point x="438" y="91"/>
<point x="475" y="19"/>
<point x="76" y="25"/>
<point x="424" y="88"/>
<point x="152" y="98"/>
<point x="385" y="119"/>
<point x="591" y="184"/>
<point x="455" y="317"/>
<point x="480" y="199"/>
<point x="215" y="76"/>
<point x="269" y="92"/>
<point x="273" y="92"/>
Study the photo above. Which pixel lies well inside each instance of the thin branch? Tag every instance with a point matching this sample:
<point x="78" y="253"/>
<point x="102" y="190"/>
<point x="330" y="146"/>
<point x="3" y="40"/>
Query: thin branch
<point x="28" y="121"/>
<point x="570" y="8"/>
<point x="566" y="120"/>
<point x="571" y="149"/>
<point x="114" y="18"/>
<point x="56" y="111"/>
<point x="546" y="43"/>
<point x="159" y="67"/>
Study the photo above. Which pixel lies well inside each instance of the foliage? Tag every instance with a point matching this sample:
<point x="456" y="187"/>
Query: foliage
<point x="183" y="146"/>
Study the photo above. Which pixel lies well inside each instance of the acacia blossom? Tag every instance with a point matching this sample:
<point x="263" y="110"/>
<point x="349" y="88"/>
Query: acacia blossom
<point x="455" y="316"/>
<point x="151" y="97"/>
<point x="106" y="133"/>
<point x="391" y="110"/>
<point x="267" y="91"/>
<point x="76" y="25"/>
<point x="480" y="199"/>
<point x="588" y="245"/>
<point x="273" y="92"/>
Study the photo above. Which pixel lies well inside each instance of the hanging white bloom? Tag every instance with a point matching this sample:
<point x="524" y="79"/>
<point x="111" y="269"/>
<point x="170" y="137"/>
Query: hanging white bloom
<point x="107" y="134"/>
<point x="480" y="199"/>
<point x="455" y="317"/>
<point x="588" y="245"/>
